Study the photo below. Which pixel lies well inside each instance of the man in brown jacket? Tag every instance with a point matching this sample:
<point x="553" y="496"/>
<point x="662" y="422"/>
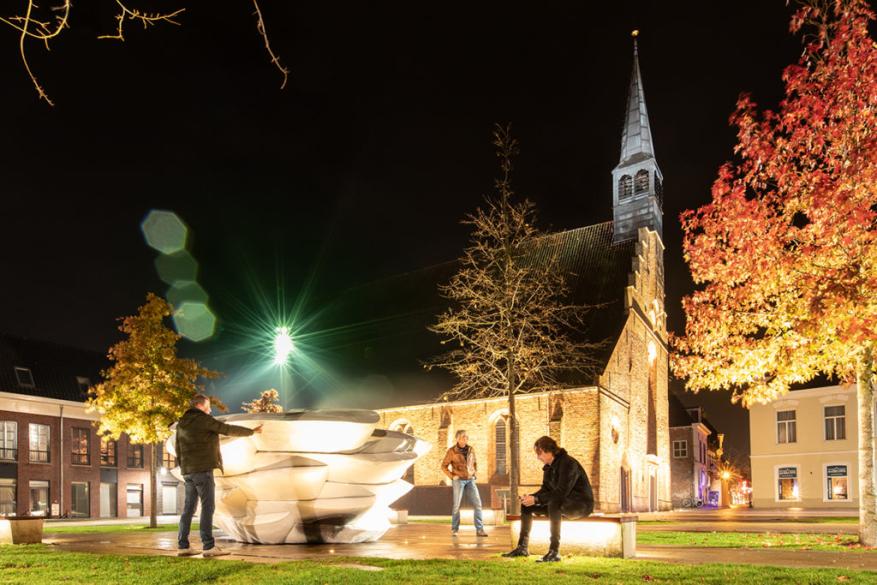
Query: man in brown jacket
<point x="461" y="460"/>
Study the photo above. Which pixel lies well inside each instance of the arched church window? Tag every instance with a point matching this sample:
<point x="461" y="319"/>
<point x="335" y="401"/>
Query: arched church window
<point x="659" y="189"/>
<point x="625" y="186"/>
<point x="501" y="446"/>
<point x="409" y="474"/>
<point x="642" y="181"/>
<point x="403" y="426"/>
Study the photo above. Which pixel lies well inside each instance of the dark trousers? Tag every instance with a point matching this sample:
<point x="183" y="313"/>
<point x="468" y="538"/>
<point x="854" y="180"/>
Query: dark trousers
<point x="555" y="512"/>
<point x="201" y="486"/>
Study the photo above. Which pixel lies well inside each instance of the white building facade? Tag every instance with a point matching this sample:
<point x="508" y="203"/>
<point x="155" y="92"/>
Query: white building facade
<point x="804" y="450"/>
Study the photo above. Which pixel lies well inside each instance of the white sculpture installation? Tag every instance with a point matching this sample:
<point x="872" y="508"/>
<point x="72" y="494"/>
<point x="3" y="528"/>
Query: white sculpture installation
<point x="311" y="476"/>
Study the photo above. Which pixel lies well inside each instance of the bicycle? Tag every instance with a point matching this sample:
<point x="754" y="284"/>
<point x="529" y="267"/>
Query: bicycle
<point x="692" y="503"/>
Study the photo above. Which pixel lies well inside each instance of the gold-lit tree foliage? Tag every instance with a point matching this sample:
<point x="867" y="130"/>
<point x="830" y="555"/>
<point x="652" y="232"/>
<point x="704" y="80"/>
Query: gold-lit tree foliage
<point x="267" y="402"/>
<point x="45" y="24"/>
<point x="785" y="255"/>
<point x="510" y="326"/>
<point x="148" y="387"/>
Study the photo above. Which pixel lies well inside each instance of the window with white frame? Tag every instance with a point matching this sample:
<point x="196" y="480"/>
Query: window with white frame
<point x="39" y="443"/>
<point x="837" y="483"/>
<point x="835" y="423"/>
<point x="39" y="498"/>
<point x="7" y="496"/>
<point x="787" y="429"/>
<point x="680" y="449"/>
<point x="787" y="483"/>
<point x="8" y="440"/>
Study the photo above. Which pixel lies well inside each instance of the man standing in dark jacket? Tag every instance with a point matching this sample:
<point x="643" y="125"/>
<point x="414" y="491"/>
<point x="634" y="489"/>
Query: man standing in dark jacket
<point x="198" y="454"/>
<point x="565" y="493"/>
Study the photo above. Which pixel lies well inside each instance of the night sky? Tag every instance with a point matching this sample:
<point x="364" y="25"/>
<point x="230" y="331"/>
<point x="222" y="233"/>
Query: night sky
<point x="363" y="166"/>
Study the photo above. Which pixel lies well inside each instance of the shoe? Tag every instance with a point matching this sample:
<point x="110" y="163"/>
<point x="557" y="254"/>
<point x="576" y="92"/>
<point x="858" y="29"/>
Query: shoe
<point x="550" y="557"/>
<point x="519" y="551"/>
<point x="481" y="533"/>
<point x="453" y="533"/>
<point x="215" y="552"/>
<point x="187" y="552"/>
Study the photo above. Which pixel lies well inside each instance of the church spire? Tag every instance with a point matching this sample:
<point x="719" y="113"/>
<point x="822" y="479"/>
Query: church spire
<point x="637" y="180"/>
<point x="636" y="137"/>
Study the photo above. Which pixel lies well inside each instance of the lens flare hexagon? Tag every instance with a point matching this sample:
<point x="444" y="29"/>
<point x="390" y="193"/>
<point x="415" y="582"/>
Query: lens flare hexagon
<point x="165" y="231"/>
<point x="195" y="321"/>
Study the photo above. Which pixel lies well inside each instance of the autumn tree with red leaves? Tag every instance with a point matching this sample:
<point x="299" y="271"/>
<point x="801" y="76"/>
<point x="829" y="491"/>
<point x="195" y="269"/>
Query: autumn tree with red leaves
<point x="784" y="256"/>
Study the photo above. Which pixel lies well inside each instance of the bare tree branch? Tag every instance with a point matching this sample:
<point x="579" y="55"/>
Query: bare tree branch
<point x="30" y="26"/>
<point x="260" y="26"/>
<point x="146" y="18"/>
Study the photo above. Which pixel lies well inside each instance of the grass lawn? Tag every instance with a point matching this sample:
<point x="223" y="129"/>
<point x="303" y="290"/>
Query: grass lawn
<point x="830" y="542"/>
<point x="62" y="529"/>
<point x="37" y="564"/>
<point x="820" y="520"/>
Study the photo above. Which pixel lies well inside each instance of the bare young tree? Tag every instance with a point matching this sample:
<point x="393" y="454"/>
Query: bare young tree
<point x="511" y="326"/>
<point x="45" y="25"/>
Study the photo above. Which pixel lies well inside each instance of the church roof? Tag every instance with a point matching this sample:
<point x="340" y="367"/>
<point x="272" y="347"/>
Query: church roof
<point x="636" y="137"/>
<point x="381" y="327"/>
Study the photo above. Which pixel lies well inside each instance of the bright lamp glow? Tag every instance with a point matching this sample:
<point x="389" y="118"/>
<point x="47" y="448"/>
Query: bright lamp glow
<point x="726" y="475"/>
<point x="282" y="345"/>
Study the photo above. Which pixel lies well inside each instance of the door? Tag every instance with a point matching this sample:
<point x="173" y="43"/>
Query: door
<point x="169" y="499"/>
<point x="625" y="490"/>
<point x="653" y="492"/>
<point x="135" y="500"/>
<point x="108" y="497"/>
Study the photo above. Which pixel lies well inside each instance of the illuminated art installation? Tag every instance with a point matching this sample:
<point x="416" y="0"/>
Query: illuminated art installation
<point x="311" y="476"/>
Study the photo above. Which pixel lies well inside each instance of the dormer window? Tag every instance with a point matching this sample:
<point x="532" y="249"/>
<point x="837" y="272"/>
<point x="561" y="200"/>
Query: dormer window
<point x="83" y="383"/>
<point x="24" y="377"/>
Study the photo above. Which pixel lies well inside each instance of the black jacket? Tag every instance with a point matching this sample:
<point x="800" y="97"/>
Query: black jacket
<point x="197" y="441"/>
<point x="566" y="483"/>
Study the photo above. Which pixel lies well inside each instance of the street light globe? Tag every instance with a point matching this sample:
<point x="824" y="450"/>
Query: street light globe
<point x="726" y="475"/>
<point x="282" y="345"/>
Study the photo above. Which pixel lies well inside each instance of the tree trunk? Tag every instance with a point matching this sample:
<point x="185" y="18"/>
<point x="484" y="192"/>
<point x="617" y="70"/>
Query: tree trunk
<point x="867" y="498"/>
<point x="514" y="457"/>
<point x="153" y="487"/>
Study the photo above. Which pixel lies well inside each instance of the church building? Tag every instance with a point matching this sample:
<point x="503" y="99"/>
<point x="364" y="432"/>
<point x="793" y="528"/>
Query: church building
<point x="616" y="424"/>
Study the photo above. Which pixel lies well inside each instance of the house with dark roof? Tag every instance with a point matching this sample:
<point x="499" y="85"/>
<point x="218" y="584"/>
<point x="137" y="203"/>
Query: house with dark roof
<point x="52" y="462"/>
<point x="616" y="422"/>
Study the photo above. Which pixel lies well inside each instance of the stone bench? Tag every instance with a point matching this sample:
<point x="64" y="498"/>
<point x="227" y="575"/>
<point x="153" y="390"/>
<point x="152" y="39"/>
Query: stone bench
<point x="609" y="535"/>
<point x="21" y="530"/>
<point x="490" y="516"/>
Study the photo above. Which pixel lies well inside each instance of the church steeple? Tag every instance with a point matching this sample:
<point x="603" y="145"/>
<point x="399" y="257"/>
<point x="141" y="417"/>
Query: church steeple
<point x="637" y="180"/>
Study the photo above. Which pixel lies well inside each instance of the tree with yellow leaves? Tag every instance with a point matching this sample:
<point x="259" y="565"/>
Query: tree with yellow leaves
<point x="148" y="387"/>
<point x="268" y="401"/>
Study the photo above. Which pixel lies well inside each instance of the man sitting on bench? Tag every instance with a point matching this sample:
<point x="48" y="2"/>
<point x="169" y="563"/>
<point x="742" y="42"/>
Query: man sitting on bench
<point x="565" y="493"/>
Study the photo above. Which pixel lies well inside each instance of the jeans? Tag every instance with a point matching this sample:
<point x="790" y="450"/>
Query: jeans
<point x="555" y="513"/>
<point x="462" y="486"/>
<point x="198" y="485"/>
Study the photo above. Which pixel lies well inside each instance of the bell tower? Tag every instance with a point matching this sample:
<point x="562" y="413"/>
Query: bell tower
<point x="637" y="196"/>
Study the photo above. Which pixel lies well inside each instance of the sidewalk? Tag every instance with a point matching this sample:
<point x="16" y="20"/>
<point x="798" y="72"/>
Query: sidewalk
<point x="744" y="514"/>
<point x="774" y="557"/>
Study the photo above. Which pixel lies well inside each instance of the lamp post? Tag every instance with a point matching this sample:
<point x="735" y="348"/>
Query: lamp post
<point x="283" y="346"/>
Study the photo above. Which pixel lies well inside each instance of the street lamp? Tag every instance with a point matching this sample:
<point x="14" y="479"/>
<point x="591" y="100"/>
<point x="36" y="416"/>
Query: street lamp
<point x="282" y="345"/>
